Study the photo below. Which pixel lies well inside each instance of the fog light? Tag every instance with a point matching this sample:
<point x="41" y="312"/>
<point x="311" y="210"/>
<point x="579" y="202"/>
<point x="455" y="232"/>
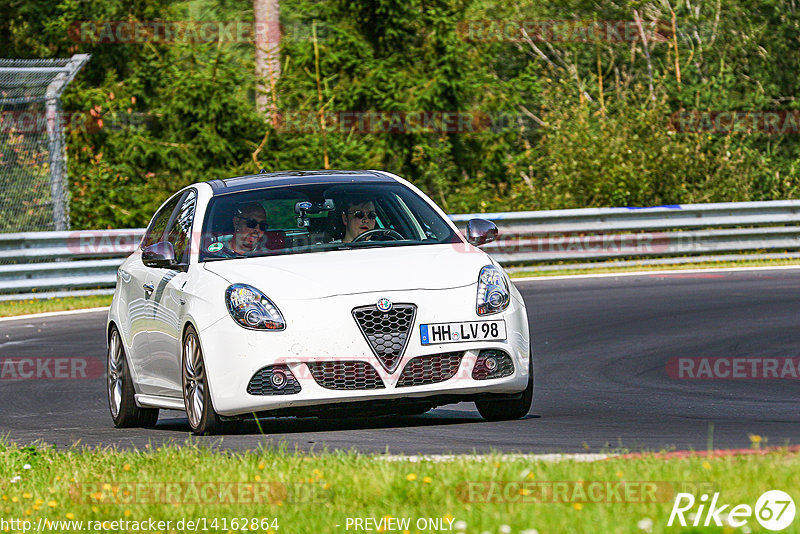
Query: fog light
<point x="490" y="363"/>
<point x="278" y="380"/>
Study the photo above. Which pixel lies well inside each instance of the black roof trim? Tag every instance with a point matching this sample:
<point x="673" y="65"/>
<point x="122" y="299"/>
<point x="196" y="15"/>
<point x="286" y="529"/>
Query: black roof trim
<point x="275" y="179"/>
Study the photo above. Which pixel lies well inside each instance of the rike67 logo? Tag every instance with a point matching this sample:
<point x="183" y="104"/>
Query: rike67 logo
<point x="774" y="510"/>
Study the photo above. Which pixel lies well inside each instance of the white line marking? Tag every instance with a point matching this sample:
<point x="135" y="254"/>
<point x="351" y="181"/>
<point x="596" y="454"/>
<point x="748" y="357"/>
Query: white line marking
<point x="649" y="273"/>
<point x="52" y="314"/>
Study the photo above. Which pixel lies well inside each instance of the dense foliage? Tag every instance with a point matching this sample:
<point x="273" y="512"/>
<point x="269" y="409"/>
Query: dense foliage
<point x="563" y="123"/>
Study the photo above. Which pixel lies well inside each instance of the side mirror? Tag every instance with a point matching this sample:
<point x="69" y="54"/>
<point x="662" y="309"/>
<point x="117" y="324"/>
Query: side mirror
<point x="159" y="255"/>
<point x="480" y="232"/>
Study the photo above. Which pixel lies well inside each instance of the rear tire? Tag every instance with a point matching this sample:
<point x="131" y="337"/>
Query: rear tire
<point x="203" y="420"/>
<point x="121" y="400"/>
<point x="506" y="410"/>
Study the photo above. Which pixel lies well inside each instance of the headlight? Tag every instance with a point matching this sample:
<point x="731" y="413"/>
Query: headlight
<point x="493" y="296"/>
<point x="252" y="309"/>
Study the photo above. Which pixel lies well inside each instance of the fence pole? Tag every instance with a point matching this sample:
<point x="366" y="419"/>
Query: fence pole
<point x="55" y="135"/>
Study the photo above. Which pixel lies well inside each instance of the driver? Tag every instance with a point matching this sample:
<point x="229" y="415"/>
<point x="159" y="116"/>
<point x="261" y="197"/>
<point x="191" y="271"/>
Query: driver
<point x="249" y="225"/>
<point x="358" y="217"/>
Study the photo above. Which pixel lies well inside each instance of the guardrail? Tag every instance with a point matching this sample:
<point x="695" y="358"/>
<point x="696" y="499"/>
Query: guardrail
<point x="603" y="233"/>
<point x="39" y="263"/>
<point x="35" y="264"/>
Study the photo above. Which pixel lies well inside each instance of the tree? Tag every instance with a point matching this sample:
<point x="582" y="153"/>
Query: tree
<point x="267" y="53"/>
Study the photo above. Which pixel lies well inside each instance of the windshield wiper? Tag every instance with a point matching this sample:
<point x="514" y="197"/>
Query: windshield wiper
<point x="374" y="244"/>
<point x="215" y="258"/>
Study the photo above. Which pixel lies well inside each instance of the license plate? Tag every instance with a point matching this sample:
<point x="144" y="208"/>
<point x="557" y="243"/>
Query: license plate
<point x="436" y="333"/>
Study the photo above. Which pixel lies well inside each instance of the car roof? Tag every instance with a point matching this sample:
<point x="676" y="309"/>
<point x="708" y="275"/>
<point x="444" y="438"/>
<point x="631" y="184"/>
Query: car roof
<point x="275" y="179"/>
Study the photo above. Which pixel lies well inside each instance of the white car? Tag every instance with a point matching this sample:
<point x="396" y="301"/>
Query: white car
<point x="313" y="293"/>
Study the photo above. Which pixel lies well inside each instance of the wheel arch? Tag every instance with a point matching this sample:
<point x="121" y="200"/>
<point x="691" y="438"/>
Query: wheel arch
<point x="111" y="324"/>
<point x="186" y="324"/>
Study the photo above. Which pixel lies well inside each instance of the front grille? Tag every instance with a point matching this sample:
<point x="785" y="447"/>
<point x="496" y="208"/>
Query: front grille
<point x="505" y="366"/>
<point x="345" y="375"/>
<point x="262" y="382"/>
<point x="386" y="333"/>
<point x="430" y="369"/>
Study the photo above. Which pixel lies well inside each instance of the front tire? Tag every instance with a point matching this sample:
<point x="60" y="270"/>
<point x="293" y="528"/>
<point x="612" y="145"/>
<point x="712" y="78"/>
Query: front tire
<point x="121" y="400"/>
<point x="203" y="420"/>
<point x="506" y="410"/>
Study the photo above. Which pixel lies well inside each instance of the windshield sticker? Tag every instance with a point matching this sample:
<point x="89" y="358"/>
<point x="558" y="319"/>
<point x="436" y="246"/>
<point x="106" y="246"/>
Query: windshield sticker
<point x="214" y="247"/>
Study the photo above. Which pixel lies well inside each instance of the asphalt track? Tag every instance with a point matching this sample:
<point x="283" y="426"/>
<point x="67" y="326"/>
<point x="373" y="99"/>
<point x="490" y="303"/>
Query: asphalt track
<point x="601" y="346"/>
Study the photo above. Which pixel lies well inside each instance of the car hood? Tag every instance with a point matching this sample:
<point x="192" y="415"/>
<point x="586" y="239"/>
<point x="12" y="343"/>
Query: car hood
<point x="348" y="272"/>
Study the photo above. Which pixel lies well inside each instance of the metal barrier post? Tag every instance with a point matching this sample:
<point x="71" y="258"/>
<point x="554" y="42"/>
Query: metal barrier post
<point x="26" y="84"/>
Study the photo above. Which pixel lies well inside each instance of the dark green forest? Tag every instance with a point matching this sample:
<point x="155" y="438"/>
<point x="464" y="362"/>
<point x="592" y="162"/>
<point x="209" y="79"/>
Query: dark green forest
<point x="563" y="122"/>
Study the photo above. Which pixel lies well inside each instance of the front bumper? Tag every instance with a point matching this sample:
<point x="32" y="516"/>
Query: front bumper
<point x="324" y="330"/>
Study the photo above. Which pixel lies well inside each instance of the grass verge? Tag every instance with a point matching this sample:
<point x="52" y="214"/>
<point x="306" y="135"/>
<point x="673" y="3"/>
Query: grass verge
<point x="9" y="308"/>
<point x="313" y="493"/>
<point x="635" y="268"/>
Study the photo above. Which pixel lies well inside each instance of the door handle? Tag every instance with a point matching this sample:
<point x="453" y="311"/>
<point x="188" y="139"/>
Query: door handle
<point x="149" y="288"/>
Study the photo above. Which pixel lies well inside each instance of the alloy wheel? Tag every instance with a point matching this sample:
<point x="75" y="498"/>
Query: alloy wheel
<point x="115" y="370"/>
<point x="193" y="380"/>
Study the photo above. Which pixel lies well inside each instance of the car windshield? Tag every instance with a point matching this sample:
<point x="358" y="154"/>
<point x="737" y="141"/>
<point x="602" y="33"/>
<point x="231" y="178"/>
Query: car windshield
<point x="298" y="219"/>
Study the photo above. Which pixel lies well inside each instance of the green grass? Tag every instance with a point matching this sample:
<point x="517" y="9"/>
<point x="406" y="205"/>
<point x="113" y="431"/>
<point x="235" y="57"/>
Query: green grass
<point x="311" y="493"/>
<point x="635" y="268"/>
<point x="23" y="307"/>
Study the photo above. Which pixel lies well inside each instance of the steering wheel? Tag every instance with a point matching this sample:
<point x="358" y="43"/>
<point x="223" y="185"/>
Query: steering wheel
<point x="388" y="232"/>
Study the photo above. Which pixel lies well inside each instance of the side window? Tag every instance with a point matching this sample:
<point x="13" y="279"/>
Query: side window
<point x="412" y="221"/>
<point x="155" y="232"/>
<point x="180" y="230"/>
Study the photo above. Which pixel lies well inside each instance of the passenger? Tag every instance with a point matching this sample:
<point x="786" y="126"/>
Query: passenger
<point x="358" y="217"/>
